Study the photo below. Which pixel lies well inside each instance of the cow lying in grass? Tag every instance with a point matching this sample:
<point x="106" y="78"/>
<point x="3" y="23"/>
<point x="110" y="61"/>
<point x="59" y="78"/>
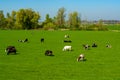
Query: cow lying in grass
<point x="81" y="57"/>
<point x="26" y="40"/>
<point x="10" y="49"/>
<point x="67" y="48"/>
<point x="48" y="53"/>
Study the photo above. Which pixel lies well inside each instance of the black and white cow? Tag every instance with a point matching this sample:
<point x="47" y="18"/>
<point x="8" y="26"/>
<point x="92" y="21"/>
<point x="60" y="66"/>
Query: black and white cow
<point x="48" y="53"/>
<point x="108" y="46"/>
<point x="66" y="36"/>
<point x="10" y="49"/>
<point x="26" y="40"/>
<point x="86" y="47"/>
<point x="81" y="57"/>
<point x="94" y="45"/>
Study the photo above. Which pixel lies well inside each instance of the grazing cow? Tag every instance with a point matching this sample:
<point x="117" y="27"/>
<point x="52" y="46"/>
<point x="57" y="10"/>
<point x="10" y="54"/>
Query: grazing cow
<point x="108" y="46"/>
<point x="66" y="36"/>
<point x="10" y="49"/>
<point x="48" y="53"/>
<point x="94" y="45"/>
<point x="81" y="57"/>
<point x="42" y="40"/>
<point x="67" y="48"/>
<point x="26" y="40"/>
<point x="86" y="47"/>
<point x="67" y="41"/>
<point x="20" y="40"/>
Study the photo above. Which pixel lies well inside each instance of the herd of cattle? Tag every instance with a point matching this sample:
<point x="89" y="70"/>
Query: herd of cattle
<point x="81" y="57"/>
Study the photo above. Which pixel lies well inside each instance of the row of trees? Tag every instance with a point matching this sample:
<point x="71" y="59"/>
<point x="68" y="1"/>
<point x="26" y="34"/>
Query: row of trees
<point x="29" y="19"/>
<point x="22" y="19"/>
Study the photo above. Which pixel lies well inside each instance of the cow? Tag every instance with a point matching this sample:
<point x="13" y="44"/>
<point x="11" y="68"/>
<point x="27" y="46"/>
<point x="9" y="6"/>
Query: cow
<point x="108" y="46"/>
<point x="66" y="36"/>
<point x="48" y="53"/>
<point x="10" y="49"/>
<point x="26" y="40"/>
<point x="67" y="48"/>
<point x="94" y="45"/>
<point x="86" y="47"/>
<point x="81" y="57"/>
<point x="20" y="40"/>
<point x="67" y="41"/>
<point x="42" y="40"/>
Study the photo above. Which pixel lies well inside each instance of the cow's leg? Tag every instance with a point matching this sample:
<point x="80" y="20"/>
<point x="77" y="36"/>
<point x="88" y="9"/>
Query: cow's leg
<point x="15" y="52"/>
<point x="7" y="53"/>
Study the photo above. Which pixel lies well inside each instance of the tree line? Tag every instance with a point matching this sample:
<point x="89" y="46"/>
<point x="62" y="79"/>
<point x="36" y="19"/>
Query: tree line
<point x="30" y="19"/>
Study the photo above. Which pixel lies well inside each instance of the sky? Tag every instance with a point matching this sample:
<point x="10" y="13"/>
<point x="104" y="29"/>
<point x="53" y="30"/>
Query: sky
<point x="88" y="9"/>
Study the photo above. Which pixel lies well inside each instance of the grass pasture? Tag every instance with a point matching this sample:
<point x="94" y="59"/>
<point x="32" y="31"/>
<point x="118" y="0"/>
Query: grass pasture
<point x="30" y="63"/>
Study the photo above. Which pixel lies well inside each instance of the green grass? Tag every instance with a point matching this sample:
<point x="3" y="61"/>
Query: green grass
<point x="30" y="63"/>
<point x="113" y="27"/>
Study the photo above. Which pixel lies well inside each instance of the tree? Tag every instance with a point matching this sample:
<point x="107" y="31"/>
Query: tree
<point x="70" y="20"/>
<point x="48" y="23"/>
<point x="48" y="19"/>
<point x="2" y="19"/>
<point x="27" y="19"/>
<point x="10" y="20"/>
<point x="60" y="18"/>
<point x="100" y="23"/>
<point x="74" y="20"/>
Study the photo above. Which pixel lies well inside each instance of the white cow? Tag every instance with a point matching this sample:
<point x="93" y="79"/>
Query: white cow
<point x="67" y="48"/>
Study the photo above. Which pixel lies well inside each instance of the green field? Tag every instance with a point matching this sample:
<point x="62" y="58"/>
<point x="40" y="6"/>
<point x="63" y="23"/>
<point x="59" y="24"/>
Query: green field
<point x="113" y="27"/>
<point x="30" y="63"/>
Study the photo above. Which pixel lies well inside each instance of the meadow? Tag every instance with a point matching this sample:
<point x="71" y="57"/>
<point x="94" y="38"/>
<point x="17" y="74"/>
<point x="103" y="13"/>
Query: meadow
<point x="30" y="63"/>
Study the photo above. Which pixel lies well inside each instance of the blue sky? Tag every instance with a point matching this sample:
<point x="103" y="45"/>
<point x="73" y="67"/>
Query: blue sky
<point x="89" y="9"/>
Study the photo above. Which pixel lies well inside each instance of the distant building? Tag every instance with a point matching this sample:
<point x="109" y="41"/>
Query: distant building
<point x="111" y="22"/>
<point x="103" y="21"/>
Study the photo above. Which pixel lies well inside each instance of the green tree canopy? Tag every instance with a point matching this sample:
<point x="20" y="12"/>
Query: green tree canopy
<point x="74" y="20"/>
<point x="2" y="19"/>
<point x="60" y="18"/>
<point x="27" y="18"/>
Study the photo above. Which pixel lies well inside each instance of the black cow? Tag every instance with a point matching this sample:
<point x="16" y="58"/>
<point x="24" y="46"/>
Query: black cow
<point x="10" y="49"/>
<point x="86" y="46"/>
<point x="94" y="45"/>
<point x="26" y="40"/>
<point x="48" y="53"/>
<point x="67" y="41"/>
<point x="42" y="39"/>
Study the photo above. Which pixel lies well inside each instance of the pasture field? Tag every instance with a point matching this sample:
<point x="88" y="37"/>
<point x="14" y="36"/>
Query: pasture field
<point x="30" y="63"/>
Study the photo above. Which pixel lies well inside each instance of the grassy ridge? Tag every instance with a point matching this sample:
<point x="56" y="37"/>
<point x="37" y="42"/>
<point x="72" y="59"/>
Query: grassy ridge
<point x="31" y="64"/>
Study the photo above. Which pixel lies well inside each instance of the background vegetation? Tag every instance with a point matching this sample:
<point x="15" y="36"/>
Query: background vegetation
<point x="30" y="19"/>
